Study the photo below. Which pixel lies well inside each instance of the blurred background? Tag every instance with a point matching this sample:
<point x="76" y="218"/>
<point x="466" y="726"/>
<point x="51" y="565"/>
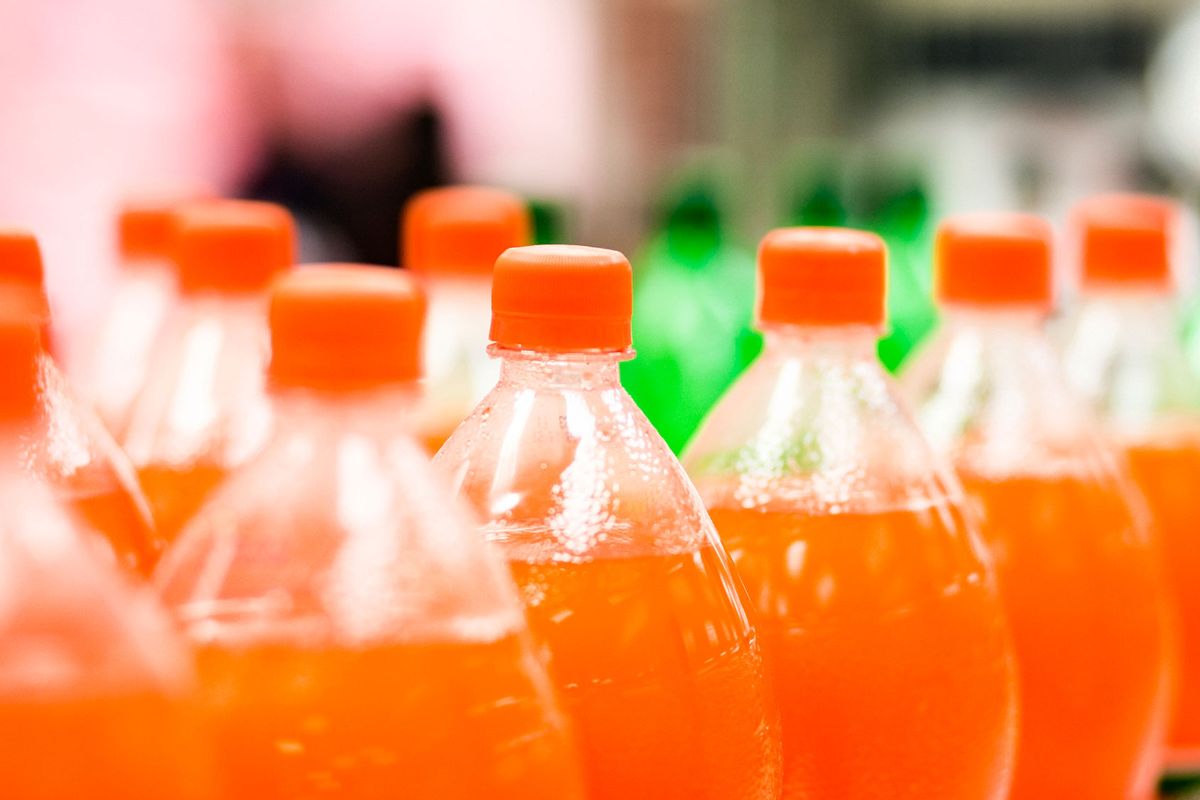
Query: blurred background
<point x="674" y="130"/>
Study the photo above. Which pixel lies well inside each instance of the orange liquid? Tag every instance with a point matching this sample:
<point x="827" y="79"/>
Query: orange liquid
<point x="432" y="441"/>
<point x="176" y="495"/>
<point x="1170" y="480"/>
<point x="433" y="433"/>
<point x="136" y="747"/>
<point x="660" y="674"/>
<point x="109" y="508"/>
<point x="888" y="651"/>
<point x="1084" y="606"/>
<point x="415" y="721"/>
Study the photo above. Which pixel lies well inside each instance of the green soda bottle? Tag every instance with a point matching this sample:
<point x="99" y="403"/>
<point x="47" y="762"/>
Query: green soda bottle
<point x="693" y="300"/>
<point x="905" y="223"/>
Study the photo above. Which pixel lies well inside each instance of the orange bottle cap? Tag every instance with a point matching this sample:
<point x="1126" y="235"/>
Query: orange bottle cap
<point x="562" y="298"/>
<point x="20" y="257"/>
<point x="232" y="246"/>
<point x="20" y="347"/>
<point x="462" y="229"/>
<point x="146" y="223"/>
<point x="994" y="259"/>
<point x="822" y="276"/>
<point x="21" y="266"/>
<point x="1126" y="239"/>
<point x="345" y="327"/>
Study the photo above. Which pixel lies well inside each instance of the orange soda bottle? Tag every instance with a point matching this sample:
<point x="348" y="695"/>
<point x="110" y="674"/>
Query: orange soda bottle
<point x="451" y="237"/>
<point x="94" y="687"/>
<point x="202" y="409"/>
<point x="114" y="362"/>
<point x="72" y="450"/>
<point x="1123" y="353"/>
<point x="624" y="581"/>
<point x="1077" y="572"/>
<point x="873" y="596"/>
<point x="357" y="639"/>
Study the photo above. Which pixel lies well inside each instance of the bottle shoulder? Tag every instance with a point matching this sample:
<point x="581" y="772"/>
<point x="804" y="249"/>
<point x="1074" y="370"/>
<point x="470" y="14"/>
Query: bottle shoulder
<point x="72" y="443"/>
<point x="71" y="623"/>
<point x="573" y="472"/>
<point x="996" y="401"/>
<point x="204" y="396"/>
<point x="818" y="433"/>
<point x="336" y="533"/>
<point x="1129" y="362"/>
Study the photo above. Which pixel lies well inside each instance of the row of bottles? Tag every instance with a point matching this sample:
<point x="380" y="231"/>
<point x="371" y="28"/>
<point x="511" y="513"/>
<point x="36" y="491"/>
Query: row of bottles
<point x="946" y="587"/>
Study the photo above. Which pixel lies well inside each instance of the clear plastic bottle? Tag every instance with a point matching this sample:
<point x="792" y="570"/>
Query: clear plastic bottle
<point x="94" y="686"/>
<point x="115" y="359"/>
<point x="451" y="238"/>
<point x="1078" y="574"/>
<point x="877" y="610"/>
<point x="624" y="581"/>
<point x="357" y="638"/>
<point x="72" y="450"/>
<point x="1124" y="354"/>
<point x="203" y="409"/>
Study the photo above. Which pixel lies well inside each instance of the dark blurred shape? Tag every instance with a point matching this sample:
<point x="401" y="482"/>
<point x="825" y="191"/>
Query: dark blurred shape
<point x="352" y="192"/>
<point x="549" y="222"/>
<point x="1031" y="48"/>
<point x="816" y="197"/>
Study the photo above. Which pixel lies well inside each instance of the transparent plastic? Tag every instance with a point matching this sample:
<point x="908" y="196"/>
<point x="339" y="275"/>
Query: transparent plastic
<point x="71" y="449"/>
<point x="356" y="638"/>
<point x="1076" y="567"/>
<point x="624" y="582"/>
<point x="875" y="603"/>
<point x="203" y="409"/>
<point x="457" y="369"/>
<point x="115" y="358"/>
<point x="1124" y="354"/>
<point x="95" y="688"/>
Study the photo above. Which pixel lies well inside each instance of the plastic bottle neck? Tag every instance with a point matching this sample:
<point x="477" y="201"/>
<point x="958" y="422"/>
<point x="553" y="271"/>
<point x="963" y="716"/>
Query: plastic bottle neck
<point x="145" y="263"/>
<point x="384" y="412"/>
<point x="1149" y="305"/>
<point x="1154" y="294"/>
<point x="1124" y="327"/>
<point x="1001" y="341"/>
<point x="544" y="370"/>
<point x="844" y="341"/>
<point x="1026" y="318"/>
<point x="405" y="394"/>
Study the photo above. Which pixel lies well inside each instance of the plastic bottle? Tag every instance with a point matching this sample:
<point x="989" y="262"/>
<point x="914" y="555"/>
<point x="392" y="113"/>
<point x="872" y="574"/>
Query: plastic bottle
<point x="624" y="581"/>
<point x="357" y="638"/>
<point x="692" y="309"/>
<point x="451" y="238"/>
<point x="72" y="450"/>
<point x="114" y="362"/>
<point x="877" y="610"/>
<point x="203" y="410"/>
<point x="1124" y="354"/>
<point x="94" y="687"/>
<point x="1077" y="572"/>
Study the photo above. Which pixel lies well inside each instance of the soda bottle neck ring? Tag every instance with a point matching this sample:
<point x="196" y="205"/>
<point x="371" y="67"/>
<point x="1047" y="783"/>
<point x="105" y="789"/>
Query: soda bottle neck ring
<point x="365" y="393"/>
<point x="958" y="315"/>
<point x="1131" y="293"/>
<point x="851" y="340"/>
<point x="540" y="369"/>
